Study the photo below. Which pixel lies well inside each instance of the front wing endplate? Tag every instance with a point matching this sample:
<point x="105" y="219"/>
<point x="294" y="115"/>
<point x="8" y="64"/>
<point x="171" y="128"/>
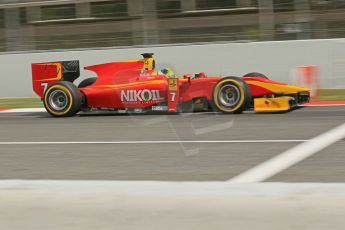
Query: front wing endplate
<point x="274" y="104"/>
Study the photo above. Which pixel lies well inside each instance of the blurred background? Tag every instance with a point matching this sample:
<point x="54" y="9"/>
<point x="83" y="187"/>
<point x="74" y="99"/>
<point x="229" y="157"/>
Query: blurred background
<point x="64" y="24"/>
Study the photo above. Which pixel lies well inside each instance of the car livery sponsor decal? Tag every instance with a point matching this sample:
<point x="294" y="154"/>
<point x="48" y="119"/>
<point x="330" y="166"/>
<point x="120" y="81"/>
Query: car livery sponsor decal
<point x="141" y="95"/>
<point x="159" y="108"/>
<point x="172" y="83"/>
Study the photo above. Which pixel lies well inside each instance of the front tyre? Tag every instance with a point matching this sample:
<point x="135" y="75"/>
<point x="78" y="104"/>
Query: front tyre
<point x="62" y="99"/>
<point x="231" y="95"/>
<point x="256" y="74"/>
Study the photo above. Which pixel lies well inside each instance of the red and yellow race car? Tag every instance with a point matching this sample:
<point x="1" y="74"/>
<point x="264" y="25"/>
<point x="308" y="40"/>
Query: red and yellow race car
<point x="135" y="86"/>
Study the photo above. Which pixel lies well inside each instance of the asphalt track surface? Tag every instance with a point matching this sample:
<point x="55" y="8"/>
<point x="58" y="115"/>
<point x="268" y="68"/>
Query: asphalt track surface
<point x="166" y="161"/>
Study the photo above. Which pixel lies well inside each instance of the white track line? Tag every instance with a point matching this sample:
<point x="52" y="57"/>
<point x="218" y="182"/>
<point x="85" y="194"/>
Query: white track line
<point x="25" y="110"/>
<point x="320" y="105"/>
<point x="290" y="157"/>
<point x="142" y="142"/>
<point x="36" y="110"/>
<point x="158" y="187"/>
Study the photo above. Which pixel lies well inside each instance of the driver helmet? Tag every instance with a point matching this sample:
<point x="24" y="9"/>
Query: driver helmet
<point x="168" y="72"/>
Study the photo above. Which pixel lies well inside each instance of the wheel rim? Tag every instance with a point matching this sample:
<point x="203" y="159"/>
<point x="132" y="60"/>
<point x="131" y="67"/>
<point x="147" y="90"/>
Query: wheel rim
<point x="58" y="100"/>
<point x="229" y="95"/>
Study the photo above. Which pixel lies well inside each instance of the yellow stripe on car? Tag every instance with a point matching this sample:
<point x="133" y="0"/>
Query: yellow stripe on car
<point x="131" y="84"/>
<point x="278" y="88"/>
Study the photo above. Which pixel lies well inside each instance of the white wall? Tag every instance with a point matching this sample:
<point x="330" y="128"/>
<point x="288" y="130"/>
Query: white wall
<point x="275" y="59"/>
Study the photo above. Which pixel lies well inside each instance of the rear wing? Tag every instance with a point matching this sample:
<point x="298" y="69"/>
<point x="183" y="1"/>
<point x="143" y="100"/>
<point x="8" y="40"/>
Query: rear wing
<point x="47" y="73"/>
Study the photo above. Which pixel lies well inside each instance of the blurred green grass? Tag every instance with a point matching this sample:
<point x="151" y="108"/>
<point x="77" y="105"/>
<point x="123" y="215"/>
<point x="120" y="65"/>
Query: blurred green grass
<point x="14" y="103"/>
<point x="325" y="95"/>
<point x="331" y="95"/>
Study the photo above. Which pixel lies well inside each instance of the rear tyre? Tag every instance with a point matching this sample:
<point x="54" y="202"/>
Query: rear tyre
<point x="87" y="82"/>
<point x="256" y="74"/>
<point x="231" y="95"/>
<point x="62" y="99"/>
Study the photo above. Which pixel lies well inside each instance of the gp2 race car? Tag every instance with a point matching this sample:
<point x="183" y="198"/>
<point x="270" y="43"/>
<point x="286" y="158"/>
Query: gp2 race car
<point x="135" y="86"/>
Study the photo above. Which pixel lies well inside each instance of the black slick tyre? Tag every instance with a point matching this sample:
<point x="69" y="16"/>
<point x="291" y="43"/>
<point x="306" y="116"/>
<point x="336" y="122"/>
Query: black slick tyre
<point x="256" y="74"/>
<point x="231" y="95"/>
<point x="62" y="99"/>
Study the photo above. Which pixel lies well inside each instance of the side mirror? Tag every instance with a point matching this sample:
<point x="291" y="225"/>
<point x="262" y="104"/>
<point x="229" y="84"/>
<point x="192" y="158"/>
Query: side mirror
<point x="187" y="76"/>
